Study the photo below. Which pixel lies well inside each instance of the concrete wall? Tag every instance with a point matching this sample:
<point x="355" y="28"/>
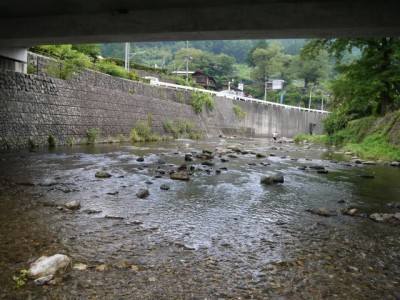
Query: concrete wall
<point x="266" y="118"/>
<point x="34" y="107"/>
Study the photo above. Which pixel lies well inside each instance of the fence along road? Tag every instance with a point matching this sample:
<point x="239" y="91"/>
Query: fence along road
<point x="237" y="97"/>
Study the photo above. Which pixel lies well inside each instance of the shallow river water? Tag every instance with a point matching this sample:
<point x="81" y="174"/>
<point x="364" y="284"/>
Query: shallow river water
<point x="220" y="235"/>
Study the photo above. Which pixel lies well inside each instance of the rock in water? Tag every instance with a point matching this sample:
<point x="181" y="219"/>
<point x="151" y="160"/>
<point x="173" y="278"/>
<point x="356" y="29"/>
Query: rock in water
<point x="102" y="174"/>
<point x="75" y="204"/>
<point x="48" y="265"/>
<point x="143" y="193"/>
<point x="180" y="176"/>
<point x="165" y="187"/>
<point x="43" y="280"/>
<point x="321" y="212"/>
<point x="266" y="180"/>
<point x="272" y="179"/>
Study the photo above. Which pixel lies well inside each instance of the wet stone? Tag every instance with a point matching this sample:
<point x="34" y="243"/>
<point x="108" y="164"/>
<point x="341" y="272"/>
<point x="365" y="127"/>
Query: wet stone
<point x="43" y="280"/>
<point x="321" y="212"/>
<point x="102" y="174"/>
<point x="180" y="176"/>
<point x="165" y="187"/>
<point x="143" y="193"/>
<point x="73" y="205"/>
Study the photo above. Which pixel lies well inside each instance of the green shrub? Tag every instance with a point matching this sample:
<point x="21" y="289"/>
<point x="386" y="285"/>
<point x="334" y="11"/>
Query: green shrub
<point x="170" y="127"/>
<point x="134" y="136"/>
<point x="240" y="114"/>
<point x="110" y="68"/>
<point x="31" y="69"/>
<point x="200" y="99"/>
<point x="70" y="141"/>
<point x="52" y="141"/>
<point x="142" y="131"/>
<point x="180" y="128"/>
<point x="92" y="135"/>
<point x="121" y="138"/>
<point x="31" y="143"/>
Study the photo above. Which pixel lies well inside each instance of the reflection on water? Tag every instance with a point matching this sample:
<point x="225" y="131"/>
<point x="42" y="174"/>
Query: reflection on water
<point x="225" y="216"/>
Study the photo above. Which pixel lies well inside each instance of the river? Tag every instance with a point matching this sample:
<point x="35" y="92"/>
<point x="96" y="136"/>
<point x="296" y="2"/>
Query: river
<point x="220" y="235"/>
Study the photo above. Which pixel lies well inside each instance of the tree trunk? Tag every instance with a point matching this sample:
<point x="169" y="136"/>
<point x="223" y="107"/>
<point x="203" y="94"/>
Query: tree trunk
<point x="387" y="53"/>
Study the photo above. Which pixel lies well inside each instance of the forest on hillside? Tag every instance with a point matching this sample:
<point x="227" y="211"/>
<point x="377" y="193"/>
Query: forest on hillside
<point x="251" y="62"/>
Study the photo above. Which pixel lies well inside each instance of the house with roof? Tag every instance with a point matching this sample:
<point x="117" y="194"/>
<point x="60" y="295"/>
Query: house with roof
<point x="205" y="80"/>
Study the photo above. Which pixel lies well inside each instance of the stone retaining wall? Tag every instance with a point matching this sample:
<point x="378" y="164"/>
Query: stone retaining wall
<point x="33" y="107"/>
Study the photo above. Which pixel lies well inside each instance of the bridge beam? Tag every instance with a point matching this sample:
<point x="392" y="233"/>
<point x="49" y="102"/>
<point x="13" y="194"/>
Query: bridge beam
<point x="27" y="23"/>
<point x="14" y="59"/>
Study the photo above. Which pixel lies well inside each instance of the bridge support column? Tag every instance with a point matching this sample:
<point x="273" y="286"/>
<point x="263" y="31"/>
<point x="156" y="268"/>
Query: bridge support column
<point x="14" y="59"/>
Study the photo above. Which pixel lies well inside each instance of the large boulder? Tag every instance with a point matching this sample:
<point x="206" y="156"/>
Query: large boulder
<point x="48" y="265"/>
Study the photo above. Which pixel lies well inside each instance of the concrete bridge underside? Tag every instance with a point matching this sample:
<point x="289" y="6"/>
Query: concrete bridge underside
<point x="26" y="22"/>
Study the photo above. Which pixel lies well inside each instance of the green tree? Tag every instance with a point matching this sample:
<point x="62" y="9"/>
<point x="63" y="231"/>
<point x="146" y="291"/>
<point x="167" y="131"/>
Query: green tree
<point x="310" y="70"/>
<point x="91" y="50"/>
<point x="269" y="62"/>
<point x="214" y="65"/>
<point x="369" y="83"/>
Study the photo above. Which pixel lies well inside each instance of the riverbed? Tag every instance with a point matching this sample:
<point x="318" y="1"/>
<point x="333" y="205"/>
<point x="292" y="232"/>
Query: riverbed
<point x="220" y="235"/>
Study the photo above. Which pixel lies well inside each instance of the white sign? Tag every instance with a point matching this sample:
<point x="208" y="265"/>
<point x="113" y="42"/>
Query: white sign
<point x="277" y="84"/>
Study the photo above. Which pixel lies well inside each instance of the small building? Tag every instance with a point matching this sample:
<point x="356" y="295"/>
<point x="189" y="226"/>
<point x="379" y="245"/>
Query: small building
<point x="205" y="80"/>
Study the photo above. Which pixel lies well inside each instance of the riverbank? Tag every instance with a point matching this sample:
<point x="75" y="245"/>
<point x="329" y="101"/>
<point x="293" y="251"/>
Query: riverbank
<point x="376" y="138"/>
<point x="222" y="234"/>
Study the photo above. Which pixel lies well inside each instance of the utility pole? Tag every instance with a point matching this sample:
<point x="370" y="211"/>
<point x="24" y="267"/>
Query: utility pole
<point x="265" y="88"/>
<point x="309" y="102"/>
<point x="187" y="61"/>
<point x="127" y="55"/>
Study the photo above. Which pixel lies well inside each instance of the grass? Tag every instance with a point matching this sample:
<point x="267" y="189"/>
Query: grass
<point x="142" y="131"/>
<point x="375" y="147"/>
<point x="240" y="114"/>
<point x="52" y="141"/>
<point x="92" y="135"/>
<point x="70" y="141"/>
<point x="21" y="278"/>
<point x="180" y="128"/>
<point x="310" y="138"/>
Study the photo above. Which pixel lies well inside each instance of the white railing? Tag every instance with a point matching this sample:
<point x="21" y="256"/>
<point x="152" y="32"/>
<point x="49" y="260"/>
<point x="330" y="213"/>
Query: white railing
<point x="237" y="97"/>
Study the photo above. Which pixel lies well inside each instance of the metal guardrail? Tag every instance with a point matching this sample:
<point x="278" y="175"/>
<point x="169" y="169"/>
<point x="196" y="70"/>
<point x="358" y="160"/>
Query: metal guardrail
<point x="241" y="98"/>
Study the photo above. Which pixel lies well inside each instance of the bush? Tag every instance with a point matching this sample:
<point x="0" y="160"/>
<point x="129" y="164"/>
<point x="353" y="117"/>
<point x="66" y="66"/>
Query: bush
<point x="70" y="141"/>
<point x="142" y="131"/>
<point x="200" y="99"/>
<point x="52" y="141"/>
<point x="134" y="136"/>
<point x="121" y="138"/>
<point x="240" y="114"/>
<point x="92" y="135"/>
<point x="180" y="128"/>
